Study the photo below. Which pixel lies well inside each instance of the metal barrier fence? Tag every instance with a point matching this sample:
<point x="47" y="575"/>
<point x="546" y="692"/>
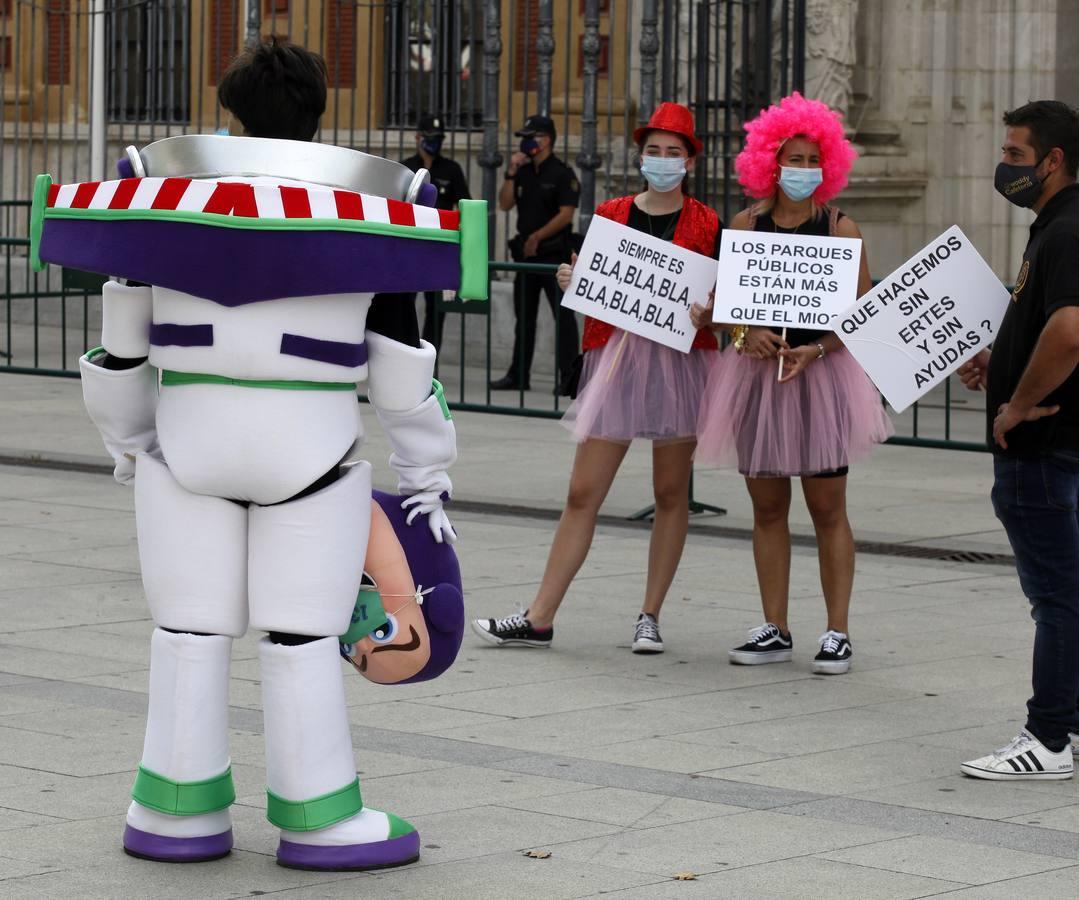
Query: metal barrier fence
<point x="80" y="79"/>
<point x="49" y="324"/>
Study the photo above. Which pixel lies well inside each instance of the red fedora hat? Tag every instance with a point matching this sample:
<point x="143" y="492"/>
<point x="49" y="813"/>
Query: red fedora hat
<point x="675" y="118"/>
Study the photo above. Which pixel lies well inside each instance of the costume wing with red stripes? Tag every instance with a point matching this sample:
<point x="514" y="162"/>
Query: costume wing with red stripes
<point x="234" y="242"/>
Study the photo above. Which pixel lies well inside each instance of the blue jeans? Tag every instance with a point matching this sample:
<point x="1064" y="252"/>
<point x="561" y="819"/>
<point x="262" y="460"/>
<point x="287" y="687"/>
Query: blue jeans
<point x="1037" y="501"/>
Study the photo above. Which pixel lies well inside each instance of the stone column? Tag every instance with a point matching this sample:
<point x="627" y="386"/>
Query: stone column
<point x="830" y="51"/>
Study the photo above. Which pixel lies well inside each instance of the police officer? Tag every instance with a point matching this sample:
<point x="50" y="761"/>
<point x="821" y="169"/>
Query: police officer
<point x="447" y="176"/>
<point x="545" y="191"/>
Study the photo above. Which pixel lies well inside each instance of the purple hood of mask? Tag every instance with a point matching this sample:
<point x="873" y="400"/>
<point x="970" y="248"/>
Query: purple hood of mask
<point x="433" y="565"/>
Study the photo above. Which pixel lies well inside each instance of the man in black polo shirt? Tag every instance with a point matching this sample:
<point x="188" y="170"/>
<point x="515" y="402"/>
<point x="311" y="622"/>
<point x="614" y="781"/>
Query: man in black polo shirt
<point x="1033" y="429"/>
<point x="448" y="177"/>
<point x="545" y="192"/>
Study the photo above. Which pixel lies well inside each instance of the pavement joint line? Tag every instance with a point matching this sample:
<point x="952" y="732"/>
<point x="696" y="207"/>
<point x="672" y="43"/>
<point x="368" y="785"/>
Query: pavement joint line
<point x="896" y="547"/>
<point x="952" y="826"/>
<point x="748" y="796"/>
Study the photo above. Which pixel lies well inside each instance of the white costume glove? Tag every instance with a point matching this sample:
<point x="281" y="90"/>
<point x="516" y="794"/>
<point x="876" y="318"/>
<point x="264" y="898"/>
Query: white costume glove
<point x="122" y="404"/>
<point x="429" y="504"/>
<point x="418" y="425"/>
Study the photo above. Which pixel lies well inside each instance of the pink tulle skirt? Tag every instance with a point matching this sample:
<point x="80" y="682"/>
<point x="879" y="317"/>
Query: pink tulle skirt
<point x="828" y="417"/>
<point x="635" y="388"/>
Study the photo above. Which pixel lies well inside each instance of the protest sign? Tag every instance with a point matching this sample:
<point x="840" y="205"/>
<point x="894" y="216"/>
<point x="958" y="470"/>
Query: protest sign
<point x="785" y="280"/>
<point x="639" y="283"/>
<point x="919" y="324"/>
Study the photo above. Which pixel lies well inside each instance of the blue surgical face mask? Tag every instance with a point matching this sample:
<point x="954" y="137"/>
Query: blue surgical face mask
<point x="431" y="145"/>
<point x="663" y="173"/>
<point x="799" y="183"/>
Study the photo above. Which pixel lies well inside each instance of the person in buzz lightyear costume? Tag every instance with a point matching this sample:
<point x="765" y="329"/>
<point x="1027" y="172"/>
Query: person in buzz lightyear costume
<point x="225" y="389"/>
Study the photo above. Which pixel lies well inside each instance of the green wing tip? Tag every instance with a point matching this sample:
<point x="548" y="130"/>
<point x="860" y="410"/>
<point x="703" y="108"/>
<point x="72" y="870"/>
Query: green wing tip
<point x="37" y="219"/>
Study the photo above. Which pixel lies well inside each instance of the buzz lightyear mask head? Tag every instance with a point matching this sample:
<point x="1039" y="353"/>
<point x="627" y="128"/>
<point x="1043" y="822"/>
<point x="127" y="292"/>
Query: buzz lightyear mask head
<point x="400" y="640"/>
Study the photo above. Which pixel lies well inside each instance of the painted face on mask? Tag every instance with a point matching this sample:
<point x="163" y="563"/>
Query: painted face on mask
<point x="432" y="145"/>
<point x="663" y="173"/>
<point x="1020" y="185"/>
<point x="799" y="183"/>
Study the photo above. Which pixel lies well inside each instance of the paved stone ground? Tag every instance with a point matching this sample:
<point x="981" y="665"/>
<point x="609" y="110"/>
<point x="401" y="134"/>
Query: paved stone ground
<point x="765" y="782"/>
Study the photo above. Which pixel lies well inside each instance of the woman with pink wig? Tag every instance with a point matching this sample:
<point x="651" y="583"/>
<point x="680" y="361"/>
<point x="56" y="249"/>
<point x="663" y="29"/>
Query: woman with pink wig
<point x="822" y="414"/>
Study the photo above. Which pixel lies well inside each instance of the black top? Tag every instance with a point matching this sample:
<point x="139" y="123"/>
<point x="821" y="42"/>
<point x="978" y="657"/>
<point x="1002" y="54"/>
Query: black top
<point x="663" y="226"/>
<point x="818" y="227"/>
<point x="540" y="192"/>
<point x="1047" y="281"/>
<point x="447" y="176"/>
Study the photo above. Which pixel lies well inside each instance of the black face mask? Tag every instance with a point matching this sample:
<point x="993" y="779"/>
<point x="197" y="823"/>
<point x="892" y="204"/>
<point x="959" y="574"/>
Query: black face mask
<point x="431" y="145"/>
<point x="1019" y="184"/>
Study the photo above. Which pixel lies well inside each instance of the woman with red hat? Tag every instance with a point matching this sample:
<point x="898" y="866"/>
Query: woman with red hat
<point x="631" y="387"/>
<point x="823" y="413"/>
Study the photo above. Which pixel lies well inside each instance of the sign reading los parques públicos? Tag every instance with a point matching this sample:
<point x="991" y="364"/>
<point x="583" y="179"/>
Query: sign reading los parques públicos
<point x="919" y="324"/>
<point x="639" y="283"/>
<point x="785" y="280"/>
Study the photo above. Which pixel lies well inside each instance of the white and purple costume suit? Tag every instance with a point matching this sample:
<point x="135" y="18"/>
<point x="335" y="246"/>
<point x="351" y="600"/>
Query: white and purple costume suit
<point x="248" y="297"/>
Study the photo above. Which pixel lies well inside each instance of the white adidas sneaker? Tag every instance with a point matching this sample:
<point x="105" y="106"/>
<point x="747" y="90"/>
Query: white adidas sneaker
<point x="1024" y="759"/>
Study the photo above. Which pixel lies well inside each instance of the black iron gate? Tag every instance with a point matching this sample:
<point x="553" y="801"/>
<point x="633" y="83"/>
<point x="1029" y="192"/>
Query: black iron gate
<point x="730" y="58"/>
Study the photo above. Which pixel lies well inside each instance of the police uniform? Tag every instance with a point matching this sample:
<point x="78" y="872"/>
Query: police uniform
<point x="539" y="192"/>
<point x="449" y="178"/>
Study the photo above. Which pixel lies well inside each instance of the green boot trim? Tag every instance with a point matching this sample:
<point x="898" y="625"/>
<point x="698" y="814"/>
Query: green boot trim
<point x="183" y="798"/>
<point x="398" y="826"/>
<point x="308" y="815"/>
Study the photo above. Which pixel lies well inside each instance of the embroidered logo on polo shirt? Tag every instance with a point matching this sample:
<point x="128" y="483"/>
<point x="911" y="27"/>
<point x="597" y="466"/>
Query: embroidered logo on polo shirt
<point x="1021" y="280"/>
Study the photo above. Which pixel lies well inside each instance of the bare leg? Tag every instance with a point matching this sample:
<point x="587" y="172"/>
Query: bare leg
<point x="827" y="502"/>
<point x="671" y="465"/>
<point x="594" y="469"/>
<point x="772" y="545"/>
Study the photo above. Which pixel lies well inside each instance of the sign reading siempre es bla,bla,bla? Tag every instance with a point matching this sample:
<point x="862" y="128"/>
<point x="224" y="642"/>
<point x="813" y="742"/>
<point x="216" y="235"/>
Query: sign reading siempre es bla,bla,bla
<point x="639" y="283"/>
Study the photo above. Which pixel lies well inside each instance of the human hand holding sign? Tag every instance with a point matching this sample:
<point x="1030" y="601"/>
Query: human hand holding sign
<point x="1009" y="415"/>
<point x="973" y="373"/>
<point x="564" y="275"/>
<point x="701" y="316"/>
<point x="763" y="343"/>
<point x="797" y="359"/>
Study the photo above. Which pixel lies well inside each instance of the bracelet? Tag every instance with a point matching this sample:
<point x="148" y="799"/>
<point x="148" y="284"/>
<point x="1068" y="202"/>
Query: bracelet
<point x="820" y="350"/>
<point x="738" y="333"/>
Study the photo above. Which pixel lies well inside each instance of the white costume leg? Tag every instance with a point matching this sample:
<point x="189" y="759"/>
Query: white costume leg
<point x="184" y="786"/>
<point x="306" y="557"/>
<point x="306" y="562"/>
<point x="193" y="554"/>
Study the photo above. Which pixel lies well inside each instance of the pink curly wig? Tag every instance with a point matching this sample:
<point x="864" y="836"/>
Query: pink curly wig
<point x="794" y="116"/>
